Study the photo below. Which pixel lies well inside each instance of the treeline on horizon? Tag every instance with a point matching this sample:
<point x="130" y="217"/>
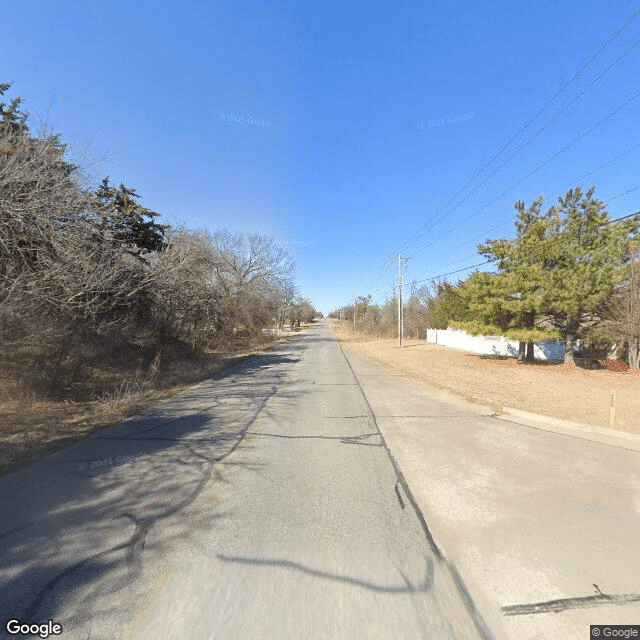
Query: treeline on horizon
<point x="569" y="272"/>
<point x="87" y="270"/>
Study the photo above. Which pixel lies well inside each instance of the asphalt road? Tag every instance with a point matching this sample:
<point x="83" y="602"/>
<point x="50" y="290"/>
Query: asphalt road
<point x="260" y="504"/>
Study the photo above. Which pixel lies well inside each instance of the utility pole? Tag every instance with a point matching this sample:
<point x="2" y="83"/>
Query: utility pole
<point x="400" y="323"/>
<point x="354" y="312"/>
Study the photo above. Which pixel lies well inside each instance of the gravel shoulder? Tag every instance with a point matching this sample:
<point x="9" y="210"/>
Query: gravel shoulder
<point x="555" y="390"/>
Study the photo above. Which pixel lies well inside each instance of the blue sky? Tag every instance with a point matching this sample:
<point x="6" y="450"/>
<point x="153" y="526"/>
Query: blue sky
<point x="338" y="128"/>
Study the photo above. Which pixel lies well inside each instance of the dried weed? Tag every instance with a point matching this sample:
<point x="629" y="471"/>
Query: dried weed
<point x="551" y="389"/>
<point x="35" y="422"/>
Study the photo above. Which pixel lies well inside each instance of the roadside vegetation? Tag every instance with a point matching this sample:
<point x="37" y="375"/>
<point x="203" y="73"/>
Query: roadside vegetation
<point x="570" y="272"/>
<point x="103" y="308"/>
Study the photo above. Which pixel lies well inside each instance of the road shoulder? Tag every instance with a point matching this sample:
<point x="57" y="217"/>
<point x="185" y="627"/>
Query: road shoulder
<point x="528" y="512"/>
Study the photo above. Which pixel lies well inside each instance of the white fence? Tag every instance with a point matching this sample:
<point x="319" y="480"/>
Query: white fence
<point x="493" y="345"/>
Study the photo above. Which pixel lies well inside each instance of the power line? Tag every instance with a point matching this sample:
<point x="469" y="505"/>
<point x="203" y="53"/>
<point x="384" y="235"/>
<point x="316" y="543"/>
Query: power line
<point x="479" y="264"/>
<point x="538" y="168"/>
<point x="567" y="186"/>
<point x="530" y="140"/>
<point x="493" y="260"/>
<point x="380" y="272"/>
<point x="389" y="283"/>
<point x="604" y="164"/>
<point x="442" y="275"/>
<point x="529" y="122"/>
<point x="631" y="215"/>
<point x="624" y="193"/>
<point x="524" y="127"/>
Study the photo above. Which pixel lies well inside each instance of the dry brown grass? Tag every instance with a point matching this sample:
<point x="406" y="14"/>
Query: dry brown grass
<point x="34" y="423"/>
<point x="555" y="390"/>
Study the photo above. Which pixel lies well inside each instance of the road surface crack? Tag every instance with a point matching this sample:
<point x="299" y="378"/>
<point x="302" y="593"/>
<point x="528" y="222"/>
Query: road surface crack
<point x="135" y="544"/>
<point x="562" y="604"/>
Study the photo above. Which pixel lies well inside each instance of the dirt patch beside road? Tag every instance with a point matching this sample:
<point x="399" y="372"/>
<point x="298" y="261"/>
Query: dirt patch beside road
<point x="555" y="390"/>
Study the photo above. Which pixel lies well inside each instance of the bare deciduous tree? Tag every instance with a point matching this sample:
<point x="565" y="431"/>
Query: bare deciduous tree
<point x="253" y="273"/>
<point x="77" y="262"/>
<point x="621" y="313"/>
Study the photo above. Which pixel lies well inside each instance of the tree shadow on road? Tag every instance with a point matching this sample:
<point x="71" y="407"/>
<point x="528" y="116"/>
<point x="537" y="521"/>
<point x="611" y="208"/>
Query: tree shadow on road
<point x="77" y="523"/>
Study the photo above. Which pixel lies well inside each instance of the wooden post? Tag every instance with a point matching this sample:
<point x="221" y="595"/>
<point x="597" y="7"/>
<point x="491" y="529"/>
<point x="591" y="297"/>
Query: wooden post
<point x="400" y="300"/>
<point x="612" y="408"/>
